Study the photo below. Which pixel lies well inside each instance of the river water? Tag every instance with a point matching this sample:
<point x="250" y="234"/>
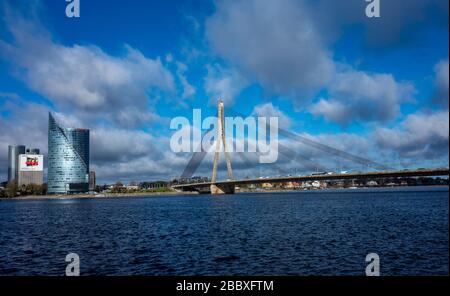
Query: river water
<point x="294" y="233"/>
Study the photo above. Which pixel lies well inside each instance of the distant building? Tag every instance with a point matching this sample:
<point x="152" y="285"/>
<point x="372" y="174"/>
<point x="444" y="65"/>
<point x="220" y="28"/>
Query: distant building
<point x="31" y="169"/>
<point x="372" y="183"/>
<point x="291" y="185"/>
<point x="316" y="184"/>
<point x="194" y="179"/>
<point x="154" y="185"/>
<point x="68" y="158"/>
<point x="92" y="181"/>
<point x="13" y="161"/>
<point x="132" y="187"/>
<point x="32" y="151"/>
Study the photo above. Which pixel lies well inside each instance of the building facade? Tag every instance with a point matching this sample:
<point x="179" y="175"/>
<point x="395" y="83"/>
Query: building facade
<point x="13" y="161"/>
<point x="32" y="151"/>
<point x="92" y="181"/>
<point x="31" y="169"/>
<point x="68" y="158"/>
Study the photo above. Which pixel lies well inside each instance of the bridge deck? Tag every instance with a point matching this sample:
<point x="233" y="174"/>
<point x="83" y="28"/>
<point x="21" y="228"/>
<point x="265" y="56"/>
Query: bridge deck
<point x="328" y="177"/>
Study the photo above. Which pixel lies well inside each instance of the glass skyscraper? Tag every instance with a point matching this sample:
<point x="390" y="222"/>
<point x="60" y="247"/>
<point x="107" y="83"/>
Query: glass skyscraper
<point x="68" y="158"/>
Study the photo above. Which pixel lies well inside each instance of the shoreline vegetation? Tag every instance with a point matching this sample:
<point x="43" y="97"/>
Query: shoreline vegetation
<point x="181" y="193"/>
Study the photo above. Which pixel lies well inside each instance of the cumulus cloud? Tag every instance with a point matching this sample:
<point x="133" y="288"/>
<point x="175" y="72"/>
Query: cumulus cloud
<point x="423" y="136"/>
<point x="269" y="110"/>
<point x="357" y="95"/>
<point x="441" y="82"/>
<point x="223" y="83"/>
<point x="113" y="145"/>
<point x="87" y="87"/>
<point x="283" y="46"/>
<point x="84" y="78"/>
<point x="272" y="42"/>
<point x="144" y="168"/>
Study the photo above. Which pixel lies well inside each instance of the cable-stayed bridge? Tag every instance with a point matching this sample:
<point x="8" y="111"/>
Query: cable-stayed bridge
<point x="227" y="187"/>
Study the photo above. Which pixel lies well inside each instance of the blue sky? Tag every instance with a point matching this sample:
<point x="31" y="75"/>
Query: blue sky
<point x="373" y="87"/>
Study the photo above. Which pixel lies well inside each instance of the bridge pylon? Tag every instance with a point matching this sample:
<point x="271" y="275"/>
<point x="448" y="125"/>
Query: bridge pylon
<point x="221" y="141"/>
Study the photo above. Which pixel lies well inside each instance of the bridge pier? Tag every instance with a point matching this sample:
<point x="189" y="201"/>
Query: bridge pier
<point x="222" y="189"/>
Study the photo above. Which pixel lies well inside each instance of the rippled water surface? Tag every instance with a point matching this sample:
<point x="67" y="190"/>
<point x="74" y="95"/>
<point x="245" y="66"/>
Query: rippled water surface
<point x="302" y="233"/>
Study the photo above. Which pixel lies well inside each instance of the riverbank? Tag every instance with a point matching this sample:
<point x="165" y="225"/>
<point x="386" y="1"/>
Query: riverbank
<point x="181" y="193"/>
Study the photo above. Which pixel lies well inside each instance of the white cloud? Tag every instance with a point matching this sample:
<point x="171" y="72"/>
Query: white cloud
<point x="282" y="45"/>
<point x="272" y="42"/>
<point x="278" y="44"/>
<point x="357" y="95"/>
<point x="222" y="83"/>
<point x="83" y="78"/>
<point x="110" y="95"/>
<point x="109" y="145"/>
<point x="420" y="135"/>
<point x="269" y="110"/>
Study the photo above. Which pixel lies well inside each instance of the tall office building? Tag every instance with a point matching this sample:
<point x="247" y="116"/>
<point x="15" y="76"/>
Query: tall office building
<point x="68" y="158"/>
<point x="13" y="161"/>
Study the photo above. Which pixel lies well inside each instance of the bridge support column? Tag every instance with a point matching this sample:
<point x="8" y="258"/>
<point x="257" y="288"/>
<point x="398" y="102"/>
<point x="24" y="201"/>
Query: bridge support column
<point x="222" y="189"/>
